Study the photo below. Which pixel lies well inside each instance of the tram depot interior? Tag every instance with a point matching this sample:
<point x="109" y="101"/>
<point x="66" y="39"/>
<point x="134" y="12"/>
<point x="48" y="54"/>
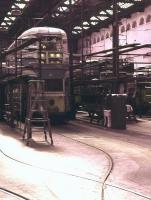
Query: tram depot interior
<point x="75" y="99"/>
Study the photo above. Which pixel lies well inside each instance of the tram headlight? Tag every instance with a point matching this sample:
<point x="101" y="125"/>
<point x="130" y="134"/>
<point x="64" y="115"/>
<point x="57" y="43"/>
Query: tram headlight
<point x="52" y="55"/>
<point x="58" y="55"/>
<point x="55" y="55"/>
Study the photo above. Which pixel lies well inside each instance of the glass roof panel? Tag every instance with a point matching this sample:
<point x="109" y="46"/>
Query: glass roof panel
<point x="77" y="27"/>
<point x="102" y="17"/>
<point x="125" y="5"/>
<point x="12" y="18"/>
<point x="110" y="12"/>
<point x="68" y="2"/>
<point x="6" y="19"/>
<point x="86" y="27"/>
<point x="94" y="23"/>
<point x="85" y="23"/>
<point x="93" y="18"/>
<point x="20" y="5"/>
<point x="3" y="24"/>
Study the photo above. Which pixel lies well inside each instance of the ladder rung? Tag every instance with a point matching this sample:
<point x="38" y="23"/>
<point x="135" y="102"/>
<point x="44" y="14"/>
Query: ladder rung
<point x="39" y="100"/>
<point x="37" y="127"/>
<point x="36" y="131"/>
<point x="39" y="111"/>
<point x="38" y="120"/>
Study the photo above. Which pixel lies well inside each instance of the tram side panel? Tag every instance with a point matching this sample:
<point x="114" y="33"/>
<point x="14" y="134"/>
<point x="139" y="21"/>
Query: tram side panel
<point x="46" y="58"/>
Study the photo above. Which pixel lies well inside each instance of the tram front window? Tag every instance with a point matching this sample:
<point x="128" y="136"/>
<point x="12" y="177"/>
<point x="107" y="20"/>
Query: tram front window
<point x="55" y="85"/>
<point x="52" y="44"/>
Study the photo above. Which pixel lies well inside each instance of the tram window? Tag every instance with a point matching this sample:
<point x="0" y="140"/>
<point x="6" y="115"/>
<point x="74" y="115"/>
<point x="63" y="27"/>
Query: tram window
<point x="52" y="43"/>
<point x="32" y="47"/>
<point x="54" y="85"/>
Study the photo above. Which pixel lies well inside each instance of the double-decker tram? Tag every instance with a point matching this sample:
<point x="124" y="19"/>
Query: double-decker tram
<point x="42" y="53"/>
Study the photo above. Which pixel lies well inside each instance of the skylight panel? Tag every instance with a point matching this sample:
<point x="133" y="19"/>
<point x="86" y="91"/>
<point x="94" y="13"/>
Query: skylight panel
<point x="94" y="23"/>
<point x="62" y="9"/>
<point x="72" y="2"/>
<point x="74" y="32"/>
<point x="93" y="18"/>
<point x="12" y="18"/>
<point x="6" y="19"/>
<point x="22" y="1"/>
<point x="85" y="23"/>
<point x="2" y="28"/>
<point x="3" y="24"/>
<point x="125" y="5"/>
<point x="110" y="12"/>
<point x="13" y="6"/>
<point x="56" y="14"/>
<point x="86" y="27"/>
<point x="102" y="13"/>
<point x="21" y="5"/>
<point x="8" y="22"/>
<point x="67" y="2"/>
<point x="16" y="9"/>
<point x="102" y="18"/>
<point x="78" y="28"/>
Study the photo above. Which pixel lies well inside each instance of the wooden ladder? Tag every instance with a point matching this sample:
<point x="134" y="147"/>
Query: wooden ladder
<point x="37" y="111"/>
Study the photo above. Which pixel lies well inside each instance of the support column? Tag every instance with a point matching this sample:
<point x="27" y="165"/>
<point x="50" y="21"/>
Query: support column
<point x="70" y="41"/>
<point x="40" y="48"/>
<point x="115" y="44"/>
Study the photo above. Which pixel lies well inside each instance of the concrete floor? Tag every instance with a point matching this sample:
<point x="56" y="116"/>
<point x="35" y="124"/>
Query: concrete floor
<point x="72" y="170"/>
